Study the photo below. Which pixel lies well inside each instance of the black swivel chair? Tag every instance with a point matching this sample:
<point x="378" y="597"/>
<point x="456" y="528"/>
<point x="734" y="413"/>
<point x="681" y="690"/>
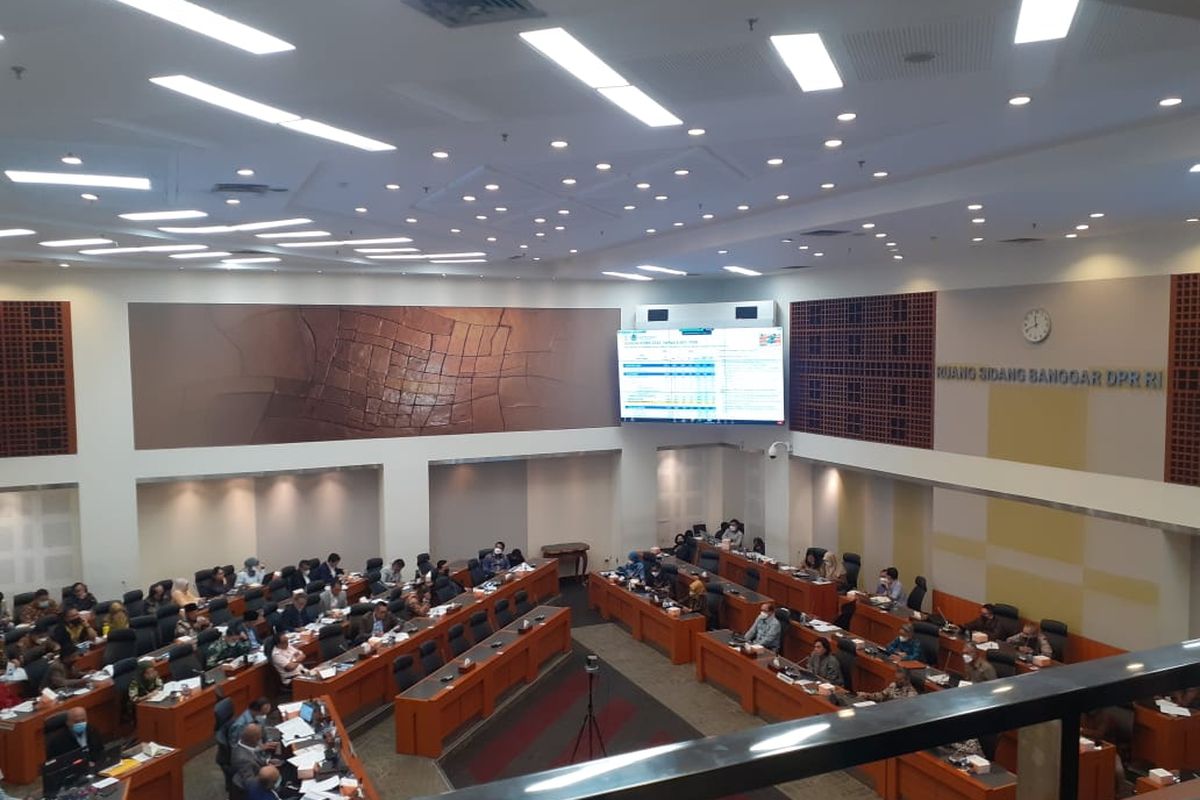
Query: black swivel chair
<point x="357" y="612"/>
<point x="374" y="565"/>
<point x="101" y="610"/>
<point x="443" y="590"/>
<point x="205" y="640"/>
<point x="785" y="626"/>
<point x="424" y="565"/>
<point x="480" y="627"/>
<point x="223" y="714"/>
<point x="521" y="604"/>
<point x="183" y="662"/>
<point x="457" y="640"/>
<point x="852" y="562"/>
<point x="714" y="601"/>
<point x="35" y="671"/>
<point x="503" y="613"/>
<point x="255" y="600"/>
<point x="476" y="572"/>
<point x="312" y="608"/>
<point x="124" y="671"/>
<point x="927" y="637"/>
<point x="55" y="723"/>
<point x="331" y="641"/>
<point x="278" y="591"/>
<point x="1005" y="664"/>
<point x="11" y="637"/>
<point x="375" y="584"/>
<point x="135" y="603"/>
<point x="399" y="608"/>
<point x="218" y="611"/>
<point x="847" y="656"/>
<point x="203" y="577"/>
<point x="752" y="578"/>
<point x="1010" y="619"/>
<point x="431" y="659"/>
<point x="686" y="550"/>
<point x="759" y="546"/>
<point x="819" y="552"/>
<point x="315" y="587"/>
<point x="483" y="553"/>
<point x="1055" y="633"/>
<point x="121" y="644"/>
<point x="917" y="596"/>
<point x="19" y="602"/>
<point x="402" y="672"/>
<point x="145" y="631"/>
<point x="165" y="619"/>
<point x="710" y="561"/>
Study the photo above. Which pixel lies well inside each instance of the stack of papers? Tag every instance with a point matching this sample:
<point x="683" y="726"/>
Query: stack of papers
<point x="1172" y="708"/>
<point x="170" y="687"/>
<point x="822" y="627"/>
<point x="327" y="785"/>
<point x="293" y="730"/>
<point x="988" y="646"/>
<point x="290" y="708"/>
<point x="308" y="756"/>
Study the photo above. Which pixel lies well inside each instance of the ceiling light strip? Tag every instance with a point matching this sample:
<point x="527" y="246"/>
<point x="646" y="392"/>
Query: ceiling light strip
<point x="77" y="179"/>
<point x="151" y="216"/>
<point x="804" y="54"/>
<point x="210" y="23"/>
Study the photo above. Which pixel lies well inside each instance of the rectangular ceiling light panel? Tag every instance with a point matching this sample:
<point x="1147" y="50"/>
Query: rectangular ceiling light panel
<point x="210" y="23"/>
<point x="77" y="179"/>
<point x="1044" y="20"/>
<point x="638" y="104"/>
<point x="810" y="63"/>
<point x="149" y="216"/>
<point x="207" y="93"/>
<point x="16" y="232"/>
<point x="323" y="131"/>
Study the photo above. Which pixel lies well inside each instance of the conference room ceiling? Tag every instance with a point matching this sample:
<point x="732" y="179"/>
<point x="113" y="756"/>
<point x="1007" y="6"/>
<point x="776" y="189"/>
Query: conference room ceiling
<point x="929" y="80"/>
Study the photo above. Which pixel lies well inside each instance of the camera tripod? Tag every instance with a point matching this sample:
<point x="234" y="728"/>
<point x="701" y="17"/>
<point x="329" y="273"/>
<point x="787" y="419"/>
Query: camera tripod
<point x="589" y="726"/>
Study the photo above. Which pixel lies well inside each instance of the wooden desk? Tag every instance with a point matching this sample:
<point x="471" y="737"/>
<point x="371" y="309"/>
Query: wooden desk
<point x="1166" y="741"/>
<point x="741" y="605"/>
<point x="575" y="553"/>
<point x="431" y="710"/>
<point x="877" y="624"/>
<point x="645" y="620"/>
<point x="160" y="778"/>
<point x="788" y="589"/>
<point x="187" y="722"/>
<point x="925" y="775"/>
<point x="349" y="757"/>
<point x="1188" y="790"/>
<point x="1097" y="766"/>
<point x="23" y="744"/>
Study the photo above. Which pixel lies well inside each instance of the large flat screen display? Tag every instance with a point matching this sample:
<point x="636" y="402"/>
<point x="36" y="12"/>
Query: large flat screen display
<point x="712" y="375"/>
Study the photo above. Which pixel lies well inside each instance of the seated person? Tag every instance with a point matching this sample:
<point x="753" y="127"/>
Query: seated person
<point x="183" y="593"/>
<point x="218" y="585"/>
<point x="250" y="755"/>
<point x="1188" y="698"/>
<point x="255" y="714"/>
<point x="765" y="630"/>
<point x="266" y="785"/>
<point x="416" y="601"/>
<point x="901" y="686"/>
<point x="253" y="574"/>
<point x="78" y="734"/>
<point x="889" y="584"/>
<point x="495" y="561"/>
<point x="230" y="646"/>
<point x="658" y="581"/>
<point x="977" y="668"/>
<point x="696" y="598"/>
<point x="516" y="557"/>
<point x="191" y="621"/>
<point x="73" y="630"/>
<point x="1031" y="641"/>
<point x="250" y="620"/>
<point x="377" y="623"/>
<point x="734" y="534"/>
<point x="987" y="622"/>
<point x="41" y="606"/>
<point x="443" y="571"/>
<point x="288" y="661"/>
<point x="832" y="569"/>
<point x="302" y="576"/>
<point x="117" y="618"/>
<point x="904" y="647"/>
<point x="329" y="570"/>
<point x="80" y="598"/>
<point x="812" y="564"/>
<point x="37" y="638"/>
<point x="291" y="613"/>
<point x="156" y="596"/>
<point x="634" y="568"/>
<point x="823" y="664"/>
<point x="393" y="573"/>
<point x="147" y="681"/>
<point x="334" y="597"/>
<point x="61" y="674"/>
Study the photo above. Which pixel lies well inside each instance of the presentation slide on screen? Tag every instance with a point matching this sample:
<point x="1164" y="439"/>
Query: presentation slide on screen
<point x="713" y="375"/>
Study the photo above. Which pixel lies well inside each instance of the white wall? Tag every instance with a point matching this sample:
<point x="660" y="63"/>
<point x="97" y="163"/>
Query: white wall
<point x="473" y="505"/>
<point x="39" y="540"/>
<point x="310" y="515"/>
<point x="573" y="499"/>
<point x="184" y="526"/>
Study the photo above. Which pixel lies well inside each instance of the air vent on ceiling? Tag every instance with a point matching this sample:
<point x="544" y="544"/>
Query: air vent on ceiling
<point x="245" y="188"/>
<point x="459" y="13"/>
<point x="1022" y="240"/>
<point x="824" y="232"/>
<point x="797" y="266"/>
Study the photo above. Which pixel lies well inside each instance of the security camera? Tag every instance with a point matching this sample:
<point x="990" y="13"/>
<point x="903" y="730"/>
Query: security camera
<point x="776" y="448"/>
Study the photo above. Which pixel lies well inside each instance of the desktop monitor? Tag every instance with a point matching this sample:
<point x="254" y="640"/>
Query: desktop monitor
<point x="64" y="771"/>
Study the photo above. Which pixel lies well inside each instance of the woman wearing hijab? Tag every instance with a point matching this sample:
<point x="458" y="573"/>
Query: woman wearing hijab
<point x="696" y="597"/>
<point x="182" y="592"/>
<point x="117" y="618"/>
<point x="831" y="569"/>
<point x="634" y="568"/>
<point x="146" y="682"/>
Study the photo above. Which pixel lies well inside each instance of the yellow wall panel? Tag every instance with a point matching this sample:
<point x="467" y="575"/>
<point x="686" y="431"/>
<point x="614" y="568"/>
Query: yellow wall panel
<point x="1133" y="590"/>
<point x="1036" y="597"/>
<point x="852" y="512"/>
<point x="909" y="521"/>
<point x="1038" y="425"/>
<point x="1037" y="530"/>
<point x="969" y="548"/>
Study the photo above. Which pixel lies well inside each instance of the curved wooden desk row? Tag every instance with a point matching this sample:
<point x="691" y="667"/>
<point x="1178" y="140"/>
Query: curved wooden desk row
<point x="431" y="710"/>
<point x="187" y="721"/>
<point x="349" y="757"/>
<point x="368" y="683"/>
<point x="646" y="620"/>
<point x="784" y="587"/>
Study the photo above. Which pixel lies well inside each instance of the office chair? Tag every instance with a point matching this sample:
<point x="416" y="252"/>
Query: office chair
<point x="852" y="562"/>
<point x="714" y="600"/>
<point x="1010" y="618"/>
<point x="11" y="638"/>
<point x="917" y="596"/>
<point x="121" y="644"/>
<point x="457" y="640"/>
<point x="504" y="615"/>
<point x="423" y="564"/>
<point x="476" y="572"/>
<point x="124" y="671"/>
<point x="710" y="561"/>
<point x="223" y="714"/>
<point x="54" y="724"/>
<point x="431" y="659"/>
<point x="785" y="625"/>
<point x="205" y="639"/>
<point x="927" y="637"/>
<point x="101" y="613"/>
<point x="375" y="584"/>
<point x="399" y="608"/>
<point x="46" y="623"/>
<point x="254" y="599"/>
<point x="145" y="629"/>
<point x="331" y="641"/>
<point x="819" y="552"/>
<point x="402" y="672"/>
<point x="483" y="553"/>
<point x="759" y="546"/>
<point x="66" y="591"/>
<point x="1055" y="633"/>
<point x="686" y="551"/>
<point x="135" y="603"/>
<point x="1005" y="664"/>
<point x="847" y="656"/>
<point x="183" y="663"/>
<point x="202" y="577"/>
<point x="443" y="591"/>
<point x="374" y="565"/>
<point x="166" y="617"/>
<point x="278" y="591"/>
<point x="230" y="572"/>
<point x="752" y="578"/>
<point x="19" y="602"/>
<point x="516" y="557"/>
<point x="315" y="587"/>
<point x="357" y="611"/>
<point x="480" y="627"/>
<point x="845" y="616"/>
<point x="35" y="672"/>
<point x="312" y="608"/>
<point x="521" y="604"/>
<point x="218" y="611"/>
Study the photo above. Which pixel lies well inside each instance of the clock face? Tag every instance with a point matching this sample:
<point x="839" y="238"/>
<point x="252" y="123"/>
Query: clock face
<point x="1036" y="325"/>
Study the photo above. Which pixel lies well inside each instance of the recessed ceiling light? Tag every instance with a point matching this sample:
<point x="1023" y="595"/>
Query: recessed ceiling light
<point x="207" y="93"/>
<point x="661" y="197"/>
<point x="696" y="131"/>
<point x="572" y="251"/>
<point x="629" y="207"/>
<point x="676" y="224"/>
<point x="898" y="257"/>
<point x="481" y="217"/>
<point x="832" y="143"/>
<point x="978" y="220"/>
<point x="1166" y="102"/>
<point x="523" y="246"/>
<point x="468" y="198"/>
<point x="245" y="172"/>
<point x="707" y="216"/>
<point x="774" y="162"/>
<point x="682" y="172"/>
<point x="802" y="247"/>
<point x="210" y="23"/>
<point x="568" y="181"/>
<point x="16" y="232"/>
<point x="868" y="225"/>
<point x="1082" y="227"/>
<point x="491" y="238"/>
<point x="1192" y="219"/>
<point x="975" y="207"/>
<point x="663" y="270"/>
<point x="828" y="185"/>
<point x="651" y="230"/>
<point x="1071" y="236"/>
<point x="881" y="236"/>
<point x="500" y="209"/>
<point x="540" y="234"/>
<point x="787" y="241"/>
<point x="392" y="187"/>
<point x="643" y="185"/>
<point x="810" y="64"/>
<point x="146" y="216"/>
<point x="741" y="271"/>
<point x="77" y="179"/>
<point x="423" y="256"/>
<point x="818" y="255"/>
<point x="1096" y="214"/>
<point x="292" y="235"/>
<point x="847" y="116"/>
<point x="889" y="244"/>
<point x="243" y="226"/>
<point x="1195" y="168"/>
<point x="558" y="144"/>
<point x="75" y="161"/>
<point x="254" y="260"/>
<point x="464" y="261"/>
<point x="89" y="196"/>
<point x="1043" y="20"/>
<point x="565" y="212"/>
<point x="722" y="252"/>
<point x="603" y="166"/>
<point x="74" y="242"/>
<point x="879" y="174"/>
<point x="560" y="227"/>
<point x="440" y="154"/>
<point x="743" y="207"/>
<point x="492" y="187"/>
<point x="1020" y="100"/>
<point x="205" y="254"/>
<point x="388" y="250"/>
<point x="456" y="230"/>
<point x="977" y="239"/>
<point x="232" y="201"/>
<point x="325" y="131"/>
<point x="539" y="220"/>
<point x="782" y="197"/>
<point x="64" y="265"/>
<point x="629" y="276"/>
<point x="411" y="220"/>
<point x="361" y="209"/>
<point x="339" y="243"/>
<point x="154" y="248"/>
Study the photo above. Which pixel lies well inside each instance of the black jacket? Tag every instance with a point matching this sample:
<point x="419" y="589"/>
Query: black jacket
<point x="63" y="742"/>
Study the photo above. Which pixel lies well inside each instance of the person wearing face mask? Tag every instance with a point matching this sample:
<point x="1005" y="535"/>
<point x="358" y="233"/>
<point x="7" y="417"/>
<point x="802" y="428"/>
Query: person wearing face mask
<point x="977" y="668"/>
<point x="182" y="592"/>
<point x="823" y="664"/>
<point x="73" y="629"/>
<point x="900" y="687"/>
<point x="696" y="597"/>
<point x="765" y="631"/>
<point x="230" y="646"/>
<point x="1031" y="641"/>
<point x="889" y="585"/>
<point x="80" y="598"/>
<point x="61" y="674"/>
<point x="266" y="786"/>
<point x="78" y="734"/>
<point x="657" y="580"/>
<point x="252" y="575"/>
<point x="987" y="623"/>
<point x="255" y="714"/>
<point x="734" y="534"/>
<point x="831" y="569"/>
<point x="291" y="616"/>
<point x="634" y="568"/>
<point x="42" y="606"/>
<point x="495" y="562"/>
<point x="904" y="647"/>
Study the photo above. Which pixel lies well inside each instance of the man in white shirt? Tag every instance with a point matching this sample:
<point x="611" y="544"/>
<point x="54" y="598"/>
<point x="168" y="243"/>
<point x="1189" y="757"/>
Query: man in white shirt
<point x="253" y="573"/>
<point x="334" y="597"/>
<point x="391" y="575"/>
<point x="288" y="661"/>
<point x="733" y="534"/>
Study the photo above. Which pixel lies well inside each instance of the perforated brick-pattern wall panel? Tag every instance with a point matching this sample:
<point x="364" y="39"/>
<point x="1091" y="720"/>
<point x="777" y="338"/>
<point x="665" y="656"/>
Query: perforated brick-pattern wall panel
<point x="37" y="396"/>
<point x="862" y="368"/>
<point x="1183" y="382"/>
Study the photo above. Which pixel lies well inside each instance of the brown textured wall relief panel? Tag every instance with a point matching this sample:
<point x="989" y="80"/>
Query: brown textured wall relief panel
<point x="206" y="375"/>
<point x="37" y="389"/>
<point x="862" y="368"/>
<point x="1183" y="382"/>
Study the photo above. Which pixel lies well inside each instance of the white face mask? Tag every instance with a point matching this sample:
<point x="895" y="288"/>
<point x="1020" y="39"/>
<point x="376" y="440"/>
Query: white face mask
<point x="968" y="659"/>
<point x="497" y="551"/>
<point x="764" y="614"/>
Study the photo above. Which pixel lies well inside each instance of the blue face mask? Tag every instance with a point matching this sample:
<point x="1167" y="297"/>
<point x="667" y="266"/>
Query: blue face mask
<point x="78" y="728"/>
